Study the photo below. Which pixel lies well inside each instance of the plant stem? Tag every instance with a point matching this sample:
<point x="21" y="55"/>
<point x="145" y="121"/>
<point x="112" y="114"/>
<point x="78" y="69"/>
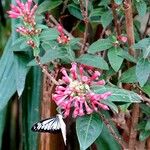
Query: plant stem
<point x="131" y="40"/>
<point x="86" y="21"/>
<point x="115" y="16"/>
<point x="118" y="139"/>
<point x="45" y="70"/>
<point x="129" y="25"/>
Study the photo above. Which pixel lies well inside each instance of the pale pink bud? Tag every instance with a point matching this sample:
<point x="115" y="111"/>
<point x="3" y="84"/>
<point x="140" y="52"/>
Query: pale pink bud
<point x="122" y="38"/>
<point x="101" y="82"/>
<point x="60" y="28"/>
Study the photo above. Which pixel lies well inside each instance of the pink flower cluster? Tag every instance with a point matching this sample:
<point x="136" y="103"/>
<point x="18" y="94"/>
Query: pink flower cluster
<point x="23" y="11"/>
<point x="74" y="95"/>
<point x="62" y="39"/>
<point x="25" y="31"/>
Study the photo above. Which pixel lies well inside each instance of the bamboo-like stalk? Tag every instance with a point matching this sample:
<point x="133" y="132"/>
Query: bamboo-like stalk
<point x="48" y="109"/>
<point x="131" y="40"/>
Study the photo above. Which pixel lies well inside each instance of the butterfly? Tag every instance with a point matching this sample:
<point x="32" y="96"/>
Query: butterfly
<point x="52" y="125"/>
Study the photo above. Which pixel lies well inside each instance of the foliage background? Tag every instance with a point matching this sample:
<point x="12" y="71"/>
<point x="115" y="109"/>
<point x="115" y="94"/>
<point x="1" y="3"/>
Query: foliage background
<point x="19" y="113"/>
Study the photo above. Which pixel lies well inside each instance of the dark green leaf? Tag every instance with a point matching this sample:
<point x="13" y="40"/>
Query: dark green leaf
<point x="104" y="3"/>
<point x="100" y="45"/>
<point x="147" y="127"/>
<point x="141" y="125"/>
<point x="145" y="109"/>
<point x="105" y="143"/>
<point x="146" y="89"/>
<point x="144" y="135"/>
<point x="118" y="95"/>
<point x="115" y="60"/>
<point x="142" y="71"/>
<point x="2" y="124"/>
<point x="129" y="76"/>
<point x="88" y="128"/>
<point x="93" y="60"/>
<point x="75" y="11"/>
<point x="30" y="103"/>
<point x="48" y="5"/>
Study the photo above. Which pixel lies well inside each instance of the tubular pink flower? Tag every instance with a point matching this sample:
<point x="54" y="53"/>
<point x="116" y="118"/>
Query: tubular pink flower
<point x="23" y="11"/>
<point x="75" y="94"/>
<point x="95" y="75"/>
<point x="29" y="4"/>
<point x="73" y="71"/>
<point x="101" y="82"/>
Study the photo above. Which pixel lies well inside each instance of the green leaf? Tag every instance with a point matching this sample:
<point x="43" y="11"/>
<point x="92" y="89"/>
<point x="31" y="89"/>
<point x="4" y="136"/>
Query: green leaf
<point x="95" y="15"/>
<point x="21" y="70"/>
<point x="106" y="18"/>
<point x="141" y="125"/>
<point x="49" y="34"/>
<point x="142" y="71"/>
<point x="7" y="78"/>
<point x="115" y="60"/>
<point x="141" y="7"/>
<point x="104" y="3"/>
<point x="100" y="45"/>
<point x="88" y="128"/>
<point x="111" y="105"/>
<point x="30" y="102"/>
<point x="127" y="56"/>
<point x="52" y="55"/>
<point x="118" y="95"/>
<point x="145" y="109"/>
<point x="147" y="127"/>
<point x="75" y="11"/>
<point x="105" y="143"/>
<point x="129" y="76"/>
<point x="48" y="5"/>
<point x="146" y="89"/>
<point x="93" y="60"/>
<point x="144" y="44"/>
<point x="118" y="1"/>
<point x="2" y="124"/>
<point x="144" y="135"/>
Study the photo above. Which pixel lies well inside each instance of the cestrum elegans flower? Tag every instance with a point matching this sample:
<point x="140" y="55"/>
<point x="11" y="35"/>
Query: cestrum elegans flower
<point x="23" y="11"/>
<point x="75" y="95"/>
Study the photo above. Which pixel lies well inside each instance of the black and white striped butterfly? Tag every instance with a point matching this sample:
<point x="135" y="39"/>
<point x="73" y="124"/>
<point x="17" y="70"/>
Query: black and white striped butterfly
<point x="51" y="125"/>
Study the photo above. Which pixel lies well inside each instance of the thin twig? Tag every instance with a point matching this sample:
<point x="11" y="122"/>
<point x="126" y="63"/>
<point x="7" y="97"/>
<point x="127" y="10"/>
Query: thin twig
<point x="65" y="31"/>
<point x="115" y="16"/>
<point x="118" y="139"/>
<point x="86" y="21"/>
<point x="45" y="71"/>
<point x="65" y="6"/>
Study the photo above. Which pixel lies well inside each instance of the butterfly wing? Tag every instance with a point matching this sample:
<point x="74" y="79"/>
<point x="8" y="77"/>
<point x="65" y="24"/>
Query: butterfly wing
<point x="51" y="125"/>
